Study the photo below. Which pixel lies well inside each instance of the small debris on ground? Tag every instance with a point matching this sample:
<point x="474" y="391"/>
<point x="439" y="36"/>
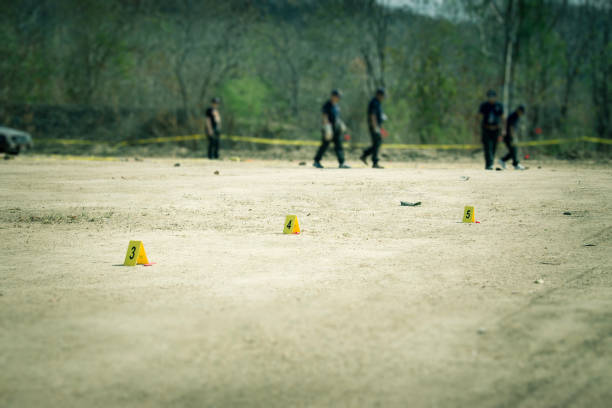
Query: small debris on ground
<point x="216" y="172"/>
<point x="538" y="281"/>
<point x="567" y="213"/>
<point x="482" y="330"/>
<point x="590" y="245"/>
<point x="465" y="178"/>
<point x="498" y="169"/>
<point x="409" y="204"/>
<point x="137" y="159"/>
<point x="177" y="164"/>
<point x="302" y="163"/>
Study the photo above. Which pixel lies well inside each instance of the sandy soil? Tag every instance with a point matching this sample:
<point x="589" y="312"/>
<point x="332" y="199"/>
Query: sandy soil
<point x="374" y="304"/>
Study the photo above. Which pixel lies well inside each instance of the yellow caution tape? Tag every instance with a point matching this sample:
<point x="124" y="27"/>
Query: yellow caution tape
<point x="400" y="146"/>
<point x="79" y="158"/>
<point x="69" y="142"/>
<point x="164" y="139"/>
<point x="549" y="142"/>
<point x="263" y="140"/>
<point x="596" y="140"/>
<point x="286" y="142"/>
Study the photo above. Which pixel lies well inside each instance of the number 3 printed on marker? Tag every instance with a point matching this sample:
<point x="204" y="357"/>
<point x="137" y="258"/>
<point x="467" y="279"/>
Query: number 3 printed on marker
<point x="133" y="252"/>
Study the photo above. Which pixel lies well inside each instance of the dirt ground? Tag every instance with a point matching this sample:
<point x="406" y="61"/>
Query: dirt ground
<point x="373" y="305"/>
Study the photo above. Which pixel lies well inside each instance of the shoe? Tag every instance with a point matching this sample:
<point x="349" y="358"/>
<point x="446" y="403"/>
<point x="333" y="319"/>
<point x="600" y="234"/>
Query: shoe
<point x="489" y="168"/>
<point x="519" y="167"/>
<point x="344" y="166"/>
<point x="317" y="165"/>
<point x="377" y="166"/>
<point x="502" y="164"/>
<point x="364" y="159"/>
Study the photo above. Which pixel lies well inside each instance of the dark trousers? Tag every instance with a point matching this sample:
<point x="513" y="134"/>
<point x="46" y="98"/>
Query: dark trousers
<point x="337" y="139"/>
<point x="512" y="151"/>
<point x="213" y="146"/>
<point x="376" y="143"/>
<point x="489" y="144"/>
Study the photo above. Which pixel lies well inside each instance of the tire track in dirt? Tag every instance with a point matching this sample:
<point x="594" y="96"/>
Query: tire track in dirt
<point x="564" y="335"/>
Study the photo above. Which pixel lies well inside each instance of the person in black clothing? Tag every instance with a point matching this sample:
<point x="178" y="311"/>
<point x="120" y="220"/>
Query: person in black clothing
<point x="511" y="128"/>
<point x="375" y="120"/>
<point x="491" y="115"/>
<point x="213" y="128"/>
<point x="332" y="131"/>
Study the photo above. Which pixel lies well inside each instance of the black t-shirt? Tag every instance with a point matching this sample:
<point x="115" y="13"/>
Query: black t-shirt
<point x="375" y="108"/>
<point x="491" y="114"/>
<point x="512" y="122"/>
<point x="212" y="114"/>
<point x="331" y="111"/>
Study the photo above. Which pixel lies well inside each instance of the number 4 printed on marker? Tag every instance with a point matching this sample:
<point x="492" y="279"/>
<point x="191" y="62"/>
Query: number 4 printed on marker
<point x="292" y="225"/>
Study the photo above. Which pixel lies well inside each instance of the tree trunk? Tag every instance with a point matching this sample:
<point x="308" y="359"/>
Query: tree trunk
<point x="510" y="39"/>
<point x="507" y="74"/>
<point x="600" y="77"/>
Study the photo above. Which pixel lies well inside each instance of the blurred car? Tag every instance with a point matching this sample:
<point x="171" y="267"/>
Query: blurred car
<point x="13" y="141"/>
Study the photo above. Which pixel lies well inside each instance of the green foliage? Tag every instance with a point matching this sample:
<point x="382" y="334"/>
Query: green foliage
<point x="25" y="68"/>
<point x="275" y="62"/>
<point x="433" y="92"/>
<point x="246" y="99"/>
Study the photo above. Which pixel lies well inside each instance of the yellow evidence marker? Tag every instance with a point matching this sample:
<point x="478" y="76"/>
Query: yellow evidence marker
<point x="136" y="254"/>
<point x="292" y="226"/>
<point x="468" y="214"/>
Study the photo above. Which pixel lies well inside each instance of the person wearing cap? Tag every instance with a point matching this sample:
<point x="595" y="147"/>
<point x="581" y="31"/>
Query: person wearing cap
<point x="213" y="128"/>
<point x="511" y="128"/>
<point x="375" y="121"/>
<point x="331" y="131"/>
<point x="491" y="115"/>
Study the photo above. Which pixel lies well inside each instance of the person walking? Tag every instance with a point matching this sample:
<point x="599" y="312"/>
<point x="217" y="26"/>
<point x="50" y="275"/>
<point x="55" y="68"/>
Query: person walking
<point x="511" y="129"/>
<point x="491" y="115"/>
<point x="331" y="131"/>
<point x="375" y="121"/>
<point x="213" y="128"/>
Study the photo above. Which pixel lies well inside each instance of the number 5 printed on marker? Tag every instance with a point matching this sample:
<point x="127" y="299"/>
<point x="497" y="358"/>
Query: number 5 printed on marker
<point x="468" y="214"/>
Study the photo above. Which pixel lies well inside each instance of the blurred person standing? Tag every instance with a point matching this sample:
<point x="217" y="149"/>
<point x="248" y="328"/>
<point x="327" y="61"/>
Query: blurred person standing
<point x="213" y="128"/>
<point x="491" y="116"/>
<point x="332" y="130"/>
<point x="511" y="129"/>
<point x="376" y="117"/>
